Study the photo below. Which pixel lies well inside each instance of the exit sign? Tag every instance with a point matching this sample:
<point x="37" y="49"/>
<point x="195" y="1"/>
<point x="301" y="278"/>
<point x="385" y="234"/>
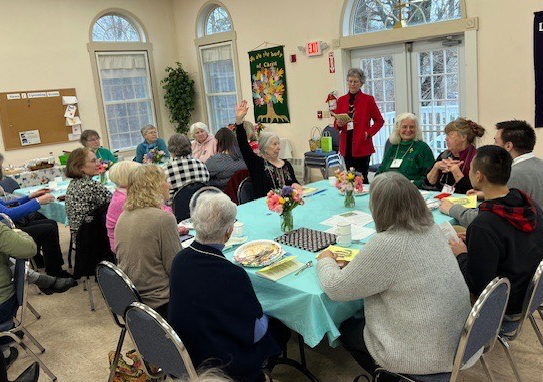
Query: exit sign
<point x="313" y="48"/>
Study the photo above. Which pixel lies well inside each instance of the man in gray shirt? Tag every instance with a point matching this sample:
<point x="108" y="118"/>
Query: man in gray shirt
<point x="518" y="138"/>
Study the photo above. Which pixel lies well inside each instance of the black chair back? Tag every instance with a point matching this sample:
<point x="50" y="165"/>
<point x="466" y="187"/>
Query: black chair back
<point x="245" y="191"/>
<point x="181" y="200"/>
<point x="9" y="184"/>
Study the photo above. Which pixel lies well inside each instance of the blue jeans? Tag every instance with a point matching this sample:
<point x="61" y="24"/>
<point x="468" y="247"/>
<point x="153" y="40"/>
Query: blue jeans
<point x="7" y="311"/>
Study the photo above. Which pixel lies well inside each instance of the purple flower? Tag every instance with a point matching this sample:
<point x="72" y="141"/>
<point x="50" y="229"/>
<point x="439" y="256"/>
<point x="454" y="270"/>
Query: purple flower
<point x="286" y="191"/>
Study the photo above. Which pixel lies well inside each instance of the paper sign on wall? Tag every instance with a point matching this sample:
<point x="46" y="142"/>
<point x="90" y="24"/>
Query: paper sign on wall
<point x="73" y="121"/>
<point x="76" y="129"/>
<point x="31" y="137"/>
<point x="14" y="96"/>
<point x="53" y="94"/>
<point x="70" y="111"/>
<point x="37" y="95"/>
<point x="74" y="137"/>
<point x="69" y="100"/>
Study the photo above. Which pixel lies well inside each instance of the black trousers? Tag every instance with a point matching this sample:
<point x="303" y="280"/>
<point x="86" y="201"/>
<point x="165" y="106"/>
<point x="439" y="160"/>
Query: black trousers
<point x="360" y="164"/>
<point x="45" y="234"/>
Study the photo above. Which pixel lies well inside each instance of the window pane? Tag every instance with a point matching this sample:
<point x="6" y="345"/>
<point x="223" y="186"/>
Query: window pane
<point x="218" y="21"/>
<point x="222" y="110"/>
<point x="125" y="80"/>
<point x="114" y="28"/>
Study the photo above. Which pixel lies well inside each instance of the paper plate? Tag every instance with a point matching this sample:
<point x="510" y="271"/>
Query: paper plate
<point x="186" y="223"/>
<point x="258" y="253"/>
<point x="365" y="192"/>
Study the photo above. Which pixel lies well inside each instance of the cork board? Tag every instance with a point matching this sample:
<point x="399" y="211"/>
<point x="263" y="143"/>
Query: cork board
<point x="40" y="110"/>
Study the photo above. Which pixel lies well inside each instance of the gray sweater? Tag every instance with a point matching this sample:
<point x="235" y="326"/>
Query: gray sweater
<point x="415" y="299"/>
<point x="526" y="176"/>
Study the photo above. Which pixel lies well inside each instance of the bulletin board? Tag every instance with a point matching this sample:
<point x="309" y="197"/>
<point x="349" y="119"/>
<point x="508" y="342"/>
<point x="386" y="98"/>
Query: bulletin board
<point x="27" y="111"/>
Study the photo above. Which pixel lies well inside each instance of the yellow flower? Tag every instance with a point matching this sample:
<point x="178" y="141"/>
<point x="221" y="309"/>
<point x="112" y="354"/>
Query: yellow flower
<point x="350" y="176"/>
<point x="281" y="200"/>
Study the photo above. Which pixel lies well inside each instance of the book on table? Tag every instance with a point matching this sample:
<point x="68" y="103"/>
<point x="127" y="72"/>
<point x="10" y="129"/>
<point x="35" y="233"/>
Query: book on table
<point x="342" y="253"/>
<point x="280" y="268"/>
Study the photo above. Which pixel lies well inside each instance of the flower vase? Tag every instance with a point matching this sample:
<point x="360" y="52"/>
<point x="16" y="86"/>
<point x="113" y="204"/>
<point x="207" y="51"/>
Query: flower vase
<point x="349" y="199"/>
<point x="287" y="221"/>
<point x="103" y="178"/>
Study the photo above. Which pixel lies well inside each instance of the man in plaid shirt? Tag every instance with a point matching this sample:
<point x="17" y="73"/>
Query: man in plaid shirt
<point x="183" y="169"/>
<point x="506" y="237"/>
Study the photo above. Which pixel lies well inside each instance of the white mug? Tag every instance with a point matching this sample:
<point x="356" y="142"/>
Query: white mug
<point x="344" y="240"/>
<point x="332" y="180"/>
<point x="343" y="228"/>
<point x="238" y="229"/>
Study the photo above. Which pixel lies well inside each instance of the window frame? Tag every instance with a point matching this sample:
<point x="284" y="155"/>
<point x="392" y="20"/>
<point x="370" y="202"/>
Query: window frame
<point x="122" y="47"/>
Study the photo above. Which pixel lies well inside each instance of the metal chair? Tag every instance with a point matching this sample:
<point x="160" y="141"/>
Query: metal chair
<point x="9" y="184"/>
<point x="181" y="199"/>
<point x="245" y="191"/>
<point x="375" y="167"/>
<point x="510" y="330"/>
<point x="9" y="328"/>
<point x="323" y="162"/>
<point x="118" y="292"/>
<point x="480" y="332"/>
<point x="157" y="343"/>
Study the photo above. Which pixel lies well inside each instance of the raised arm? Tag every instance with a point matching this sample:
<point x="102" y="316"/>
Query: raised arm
<point x="246" y="151"/>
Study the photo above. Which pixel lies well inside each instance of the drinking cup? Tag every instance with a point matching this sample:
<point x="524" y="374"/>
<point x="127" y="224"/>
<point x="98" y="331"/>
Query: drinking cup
<point x="332" y="180"/>
<point x="344" y="240"/>
<point x="343" y="228"/>
<point x="239" y="228"/>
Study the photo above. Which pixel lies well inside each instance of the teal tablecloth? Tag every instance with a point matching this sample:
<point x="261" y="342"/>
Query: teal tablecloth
<point x="298" y="301"/>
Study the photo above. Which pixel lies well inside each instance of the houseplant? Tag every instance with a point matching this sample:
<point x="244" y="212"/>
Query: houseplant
<point x="179" y="96"/>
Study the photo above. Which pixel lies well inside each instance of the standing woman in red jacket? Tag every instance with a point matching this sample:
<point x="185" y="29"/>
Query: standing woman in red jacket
<point x="355" y="139"/>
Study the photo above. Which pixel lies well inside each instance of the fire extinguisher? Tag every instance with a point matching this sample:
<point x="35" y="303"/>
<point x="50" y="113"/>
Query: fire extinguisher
<point x="331" y="100"/>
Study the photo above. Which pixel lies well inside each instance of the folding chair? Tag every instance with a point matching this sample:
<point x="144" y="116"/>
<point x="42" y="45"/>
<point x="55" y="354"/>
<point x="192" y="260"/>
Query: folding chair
<point x="157" y="343"/>
<point x="245" y="191"/>
<point x="181" y="199"/>
<point x="118" y="292"/>
<point x="510" y="330"/>
<point x="10" y="327"/>
<point x="480" y="332"/>
<point x="9" y="184"/>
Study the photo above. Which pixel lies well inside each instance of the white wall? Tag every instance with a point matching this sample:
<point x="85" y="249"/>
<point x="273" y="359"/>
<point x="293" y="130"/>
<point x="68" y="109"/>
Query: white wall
<point x="44" y="46"/>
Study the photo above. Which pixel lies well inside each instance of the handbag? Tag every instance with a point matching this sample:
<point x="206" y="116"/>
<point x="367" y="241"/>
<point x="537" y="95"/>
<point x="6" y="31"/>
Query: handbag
<point x="326" y="142"/>
<point x="129" y="373"/>
<point x="315" y="138"/>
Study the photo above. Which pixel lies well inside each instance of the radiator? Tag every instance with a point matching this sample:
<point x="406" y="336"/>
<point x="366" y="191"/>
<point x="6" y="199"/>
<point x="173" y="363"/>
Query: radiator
<point x="298" y="165"/>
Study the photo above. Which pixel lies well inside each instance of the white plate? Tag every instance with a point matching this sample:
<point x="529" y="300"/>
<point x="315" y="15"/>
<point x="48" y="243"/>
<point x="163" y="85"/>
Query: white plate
<point x="235" y="240"/>
<point x="187" y="242"/>
<point x="365" y="192"/>
<point x="186" y="223"/>
<point x="249" y="254"/>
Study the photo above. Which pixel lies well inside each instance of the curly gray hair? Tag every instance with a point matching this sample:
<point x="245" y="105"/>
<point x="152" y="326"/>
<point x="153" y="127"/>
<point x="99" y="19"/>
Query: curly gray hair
<point x="395" y="135"/>
<point x="179" y="145"/>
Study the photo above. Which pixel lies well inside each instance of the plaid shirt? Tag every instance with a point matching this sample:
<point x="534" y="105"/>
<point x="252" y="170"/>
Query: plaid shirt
<point x="184" y="170"/>
<point x="523" y="218"/>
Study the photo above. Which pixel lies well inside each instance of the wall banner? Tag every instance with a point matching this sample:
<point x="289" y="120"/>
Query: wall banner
<point x="538" y="67"/>
<point x="269" y="83"/>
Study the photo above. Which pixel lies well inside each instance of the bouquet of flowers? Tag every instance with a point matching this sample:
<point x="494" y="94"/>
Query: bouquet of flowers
<point x="347" y="182"/>
<point x="153" y="156"/>
<point x="102" y="169"/>
<point x="259" y="128"/>
<point x="283" y="202"/>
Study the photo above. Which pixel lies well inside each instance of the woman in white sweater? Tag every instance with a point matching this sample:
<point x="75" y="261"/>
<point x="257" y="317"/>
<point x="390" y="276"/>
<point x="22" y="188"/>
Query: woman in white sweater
<point x="415" y="297"/>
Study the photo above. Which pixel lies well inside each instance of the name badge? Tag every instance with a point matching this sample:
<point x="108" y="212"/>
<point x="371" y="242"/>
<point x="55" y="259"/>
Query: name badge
<point x="350" y="125"/>
<point x="447" y="189"/>
<point x="396" y="163"/>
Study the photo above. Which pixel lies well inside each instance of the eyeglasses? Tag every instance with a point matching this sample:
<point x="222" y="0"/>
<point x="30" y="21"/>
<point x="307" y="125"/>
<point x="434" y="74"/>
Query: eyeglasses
<point x="354" y="82"/>
<point x="93" y="139"/>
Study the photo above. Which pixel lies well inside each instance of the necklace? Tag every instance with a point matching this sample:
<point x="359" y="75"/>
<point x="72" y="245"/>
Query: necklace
<point x="406" y="151"/>
<point x="207" y="253"/>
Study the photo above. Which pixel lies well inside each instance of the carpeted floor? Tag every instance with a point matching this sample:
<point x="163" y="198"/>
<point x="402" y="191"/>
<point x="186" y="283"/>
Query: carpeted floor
<point x="77" y="342"/>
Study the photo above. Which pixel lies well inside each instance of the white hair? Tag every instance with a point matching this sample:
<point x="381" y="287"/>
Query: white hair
<point x="120" y="173"/>
<point x="212" y="215"/>
<point x="265" y="140"/>
<point x="198" y="125"/>
<point x="395" y="135"/>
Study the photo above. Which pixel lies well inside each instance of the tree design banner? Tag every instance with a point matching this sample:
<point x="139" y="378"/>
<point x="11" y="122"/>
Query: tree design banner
<point x="269" y="83"/>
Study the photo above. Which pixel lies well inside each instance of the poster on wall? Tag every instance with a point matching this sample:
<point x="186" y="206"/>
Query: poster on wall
<point x="538" y="67"/>
<point x="269" y="85"/>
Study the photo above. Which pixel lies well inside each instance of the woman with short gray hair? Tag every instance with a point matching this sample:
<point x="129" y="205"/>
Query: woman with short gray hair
<point x="415" y="298"/>
<point x="355" y="137"/>
<point x="183" y="168"/>
<point x="211" y="296"/>
<point x="408" y="155"/>
<point x="91" y="140"/>
<point x="150" y="141"/>
<point x="204" y="143"/>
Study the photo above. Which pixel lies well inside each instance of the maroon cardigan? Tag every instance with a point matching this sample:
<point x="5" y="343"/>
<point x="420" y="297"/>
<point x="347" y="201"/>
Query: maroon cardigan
<point x="365" y="109"/>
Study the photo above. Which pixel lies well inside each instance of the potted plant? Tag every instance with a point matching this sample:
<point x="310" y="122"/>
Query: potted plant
<point x="179" y="97"/>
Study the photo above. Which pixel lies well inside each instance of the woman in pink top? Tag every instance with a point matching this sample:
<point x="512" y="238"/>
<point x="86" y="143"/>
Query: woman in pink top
<point x="204" y="144"/>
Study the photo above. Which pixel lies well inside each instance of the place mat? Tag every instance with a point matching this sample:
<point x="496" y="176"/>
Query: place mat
<point x="307" y="239"/>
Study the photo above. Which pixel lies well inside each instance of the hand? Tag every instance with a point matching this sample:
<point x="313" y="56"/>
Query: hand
<point x="458" y="247"/>
<point x="341" y="123"/>
<point x="325" y="254"/>
<point x="445" y="206"/>
<point x="455" y="168"/>
<point x="297" y="186"/>
<point x="37" y="193"/>
<point x="182" y="230"/>
<point x="480" y="194"/>
<point x="462" y="236"/>
<point x="45" y="199"/>
<point x="366" y="135"/>
<point x="241" y="111"/>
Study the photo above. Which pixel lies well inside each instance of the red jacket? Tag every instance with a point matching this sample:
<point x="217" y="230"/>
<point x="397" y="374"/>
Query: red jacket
<point x="365" y="109"/>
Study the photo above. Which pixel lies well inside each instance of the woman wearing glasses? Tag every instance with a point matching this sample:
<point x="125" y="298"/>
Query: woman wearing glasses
<point x="355" y="138"/>
<point x="91" y="140"/>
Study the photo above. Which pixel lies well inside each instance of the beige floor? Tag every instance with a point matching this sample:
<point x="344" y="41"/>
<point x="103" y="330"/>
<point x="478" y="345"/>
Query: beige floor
<point x="78" y="340"/>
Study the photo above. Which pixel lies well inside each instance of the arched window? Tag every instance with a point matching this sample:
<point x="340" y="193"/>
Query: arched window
<point x="217" y="21"/>
<point x="115" y="28"/>
<point x="377" y="15"/>
<point x="121" y="62"/>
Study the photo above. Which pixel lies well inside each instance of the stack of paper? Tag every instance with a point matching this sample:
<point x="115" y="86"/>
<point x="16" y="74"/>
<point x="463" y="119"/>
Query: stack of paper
<point x="280" y="269"/>
<point x="466" y="201"/>
<point x="343" y="254"/>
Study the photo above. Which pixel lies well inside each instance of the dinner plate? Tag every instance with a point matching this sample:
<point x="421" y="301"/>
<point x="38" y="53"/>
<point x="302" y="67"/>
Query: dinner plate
<point x="258" y="253"/>
<point x="186" y="223"/>
<point x="365" y="192"/>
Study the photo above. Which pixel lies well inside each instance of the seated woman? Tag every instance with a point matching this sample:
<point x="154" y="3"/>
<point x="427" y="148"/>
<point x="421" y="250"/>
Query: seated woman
<point x="267" y="171"/>
<point x="415" y="297"/>
<point x="204" y="144"/>
<point x="450" y="172"/>
<point x="227" y="161"/>
<point x="146" y="238"/>
<point x="213" y="306"/>
<point x="83" y="194"/>
<point x="409" y="154"/>
<point x="91" y="140"/>
<point x="119" y="175"/>
<point x="150" y="141"/>
<point x="184" y="169"/>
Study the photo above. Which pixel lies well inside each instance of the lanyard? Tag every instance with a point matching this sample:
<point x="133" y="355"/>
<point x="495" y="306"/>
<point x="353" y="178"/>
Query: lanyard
<point x="406" y="151"/>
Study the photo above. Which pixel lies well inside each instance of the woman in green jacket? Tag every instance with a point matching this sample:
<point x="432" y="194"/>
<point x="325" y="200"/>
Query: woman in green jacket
<point x="409" y="154"/>
<point x="91" y="140"/>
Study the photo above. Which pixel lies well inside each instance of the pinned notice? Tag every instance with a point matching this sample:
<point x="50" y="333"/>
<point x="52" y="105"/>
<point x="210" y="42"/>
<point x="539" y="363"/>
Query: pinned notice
<point x="73" y="121"/>
<point x="37" y="95"/>
<point x="55" y="93"/>
<point x="70" y="111"/>
<point x="76" y="129"/>
<point x="31" y="137"/>
<point x="69" y="100"/>
<point x="14" y="96"/>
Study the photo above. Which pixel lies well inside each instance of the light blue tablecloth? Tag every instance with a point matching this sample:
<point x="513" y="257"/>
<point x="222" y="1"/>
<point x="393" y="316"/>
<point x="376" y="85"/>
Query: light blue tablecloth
<point x="298" y="301"/>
